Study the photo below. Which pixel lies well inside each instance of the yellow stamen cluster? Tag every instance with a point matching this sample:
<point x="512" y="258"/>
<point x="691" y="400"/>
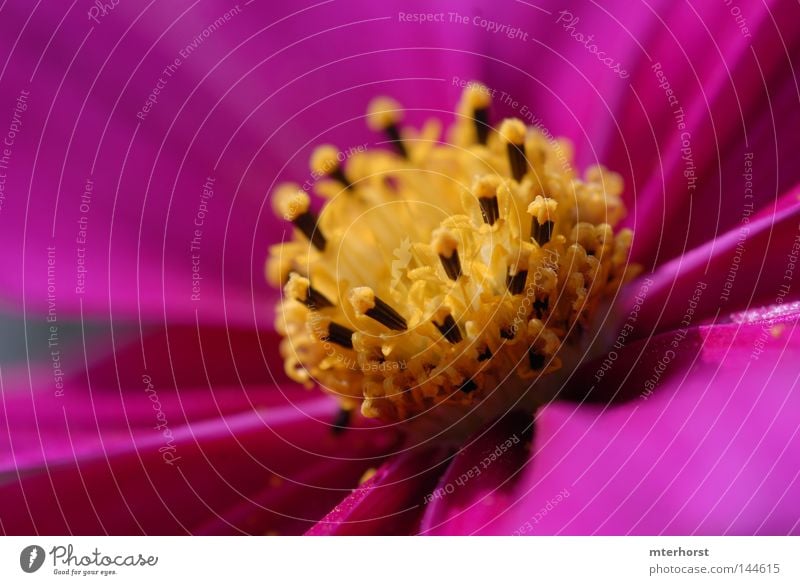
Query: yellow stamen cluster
<point x="441" y="275"/>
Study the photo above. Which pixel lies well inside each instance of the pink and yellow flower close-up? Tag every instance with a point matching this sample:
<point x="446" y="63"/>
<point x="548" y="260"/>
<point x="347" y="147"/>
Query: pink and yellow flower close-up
<point x="400" y="268"/>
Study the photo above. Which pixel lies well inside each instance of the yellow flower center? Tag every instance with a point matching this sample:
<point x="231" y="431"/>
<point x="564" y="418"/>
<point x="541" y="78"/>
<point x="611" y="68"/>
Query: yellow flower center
<point x="443" y="276"/>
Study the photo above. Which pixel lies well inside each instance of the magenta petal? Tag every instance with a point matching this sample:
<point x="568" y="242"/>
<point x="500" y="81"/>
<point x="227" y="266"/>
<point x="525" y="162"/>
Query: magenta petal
<point x="96" y="161"/>
<point x="391" y="501"/>
<point x="284" y="508"/>
<point x="738" y="95"/>
<point x="743" y="268"/>
<point x="179" y="356"/>
<point x="479" y="481"/>
<point x="789" y="200"/>
<point x="714" y="449"/>
<point x="769" y="315"/>
<point x="101" y="463"/>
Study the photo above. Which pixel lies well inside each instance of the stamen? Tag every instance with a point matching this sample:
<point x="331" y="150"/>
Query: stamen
<point x="485" y="189"/>
<point x="477" y="99"/>
<point x="541" y="232"/>
<point x="482" y="124"/>
<point x="540" y="307"/>
<point x="543" y="210"/>
<point x="325" y="163"/>
<point x="489" y="209"/>
<point x="448" y="326"/>
<point x="512" y="131"/>
<point x="338" y="334"/>
<point x="516" y="282"/>
<point x="294" y="205"/>
<point x="446" y="246"/>
<point x="366" y="303"/>
<point x="299" y="288"/>
<point x="468" y="386"/>
<point x="537" y="158"/>
<point x="535" y="359"/>
<point x="279" y="269"/>
<point x="383" y="115"/>
<point x="341" y="421"/>
<point x="518" y="270"/>
<point x="307" y="223"/>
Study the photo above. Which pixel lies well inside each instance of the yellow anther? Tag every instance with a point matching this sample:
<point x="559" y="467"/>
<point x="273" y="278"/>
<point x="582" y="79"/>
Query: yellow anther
<point x="512" y="130"/>
<point x="543" y="209"/>
<point x="296" y="287"/>
<point x="362" y="299"/>
<point x="476" y="96"/>
<point x="324" y="160"/>
<point x="289" y="201"/>
<point x="444" y="242"/>
<point x="382" y="113"/>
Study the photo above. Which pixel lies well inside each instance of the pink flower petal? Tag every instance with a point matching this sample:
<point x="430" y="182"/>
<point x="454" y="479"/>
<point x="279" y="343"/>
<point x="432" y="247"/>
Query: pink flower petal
<point x="737" y="90"/>
<point x="749" y="266"/>
<point x="152" y="462"/>
<point x="391" y="501"/>
<point x="480" y="479"/>
<point x="227" y="109"/>
<point x="713" y="449"/>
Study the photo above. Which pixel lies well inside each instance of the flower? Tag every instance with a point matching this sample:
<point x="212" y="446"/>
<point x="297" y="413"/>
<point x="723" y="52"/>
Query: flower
<point x="144" y="391"/>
